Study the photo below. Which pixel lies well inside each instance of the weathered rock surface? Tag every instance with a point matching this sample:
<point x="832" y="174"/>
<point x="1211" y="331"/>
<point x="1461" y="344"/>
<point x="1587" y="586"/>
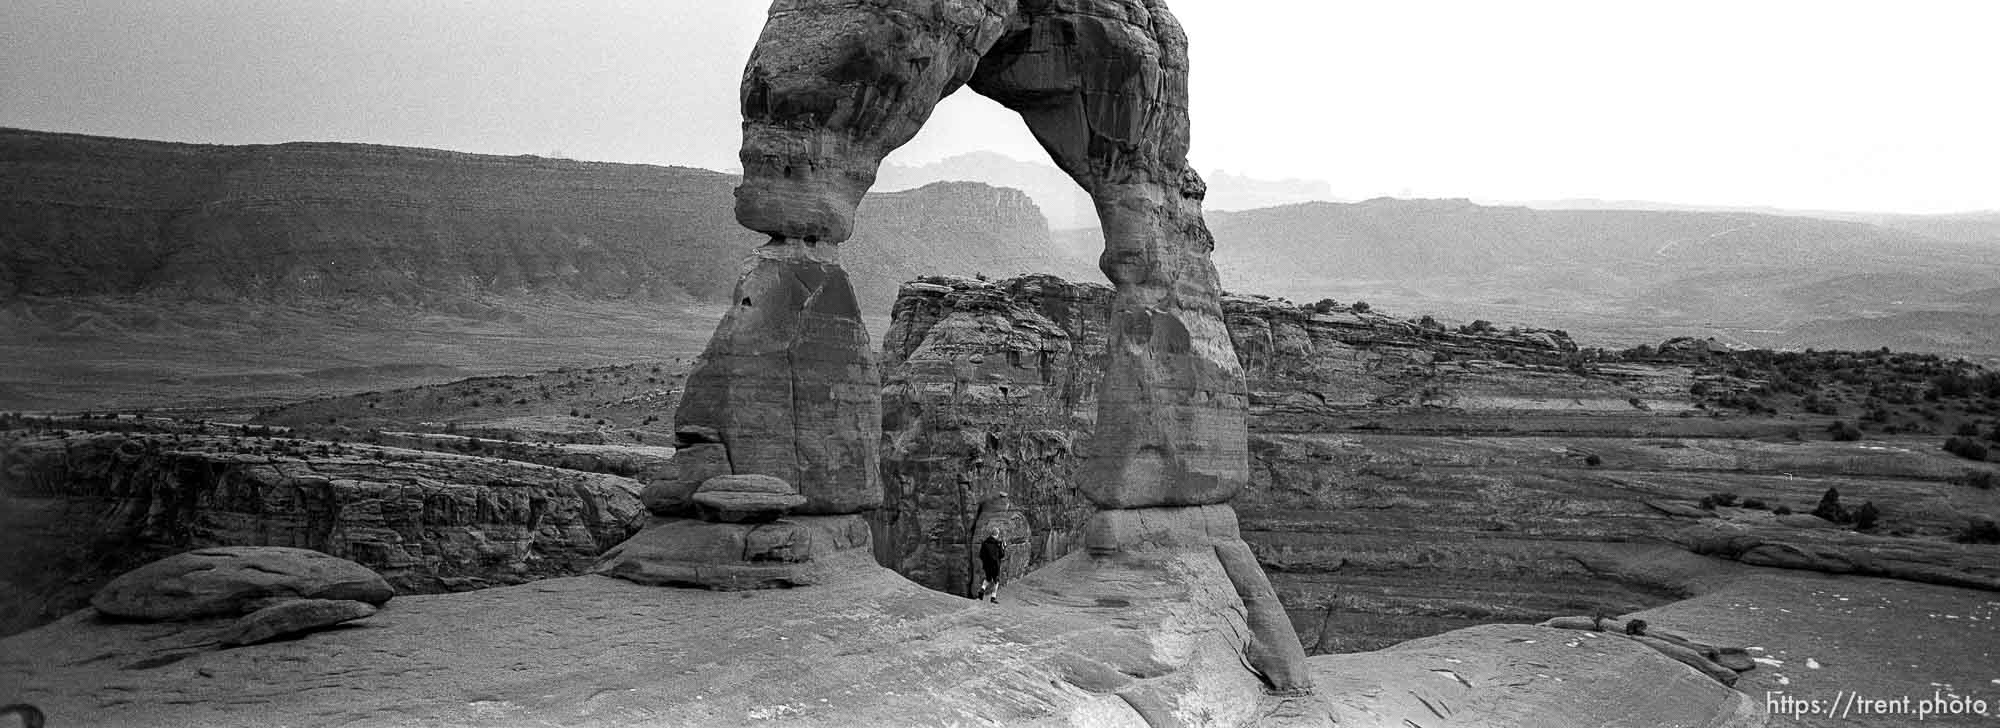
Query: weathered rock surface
<point x="293" y="617"/>
<point x="1097" y="640"/>
<point x="77" y="509"/>
<point x="232" y="580"/>
<point x="1838" y="551"/>
<point x="791" y="552"/>
<point x="1541" y="677"/>
<point x="746" y="498"/>
<point x="788" y="386"/>
<point x="1720" y="663"/>
<point x="1813" y="635"/>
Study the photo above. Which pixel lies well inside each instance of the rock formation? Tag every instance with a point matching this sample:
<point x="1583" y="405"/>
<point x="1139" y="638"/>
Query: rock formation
<point x="293" y="617"/>
<point x="78" y="508"/>
<point x="1420" y="478"/>
<point x="786" y="386"/>
<point x="235" y="580"/>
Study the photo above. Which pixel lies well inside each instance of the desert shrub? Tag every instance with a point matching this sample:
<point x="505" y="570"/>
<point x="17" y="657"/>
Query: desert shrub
<point x="1965" y="447"/>
<point x="1361" y="307"/>
<point x="1593" y="460"/>
<point x="1782" y="511"/>
<point x="1844" y="431"/>
<point x="1326" y="304"/>
<point x="1981" y="479"/>
<point x="1866" y="516"/>
<point x="1753" y="504"/>
<point x="1980" y="530"/>
<point x="1707" y="503"/>
<point x="1967" y="429"/>
<point x="1830" y="509"/>
<point x="1724" y="499"/>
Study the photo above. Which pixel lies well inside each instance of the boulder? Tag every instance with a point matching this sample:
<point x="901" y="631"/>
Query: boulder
<point x="293" y="617"/>
<point x="746" y="498"/>
<point x="233" y="580"/>
<point x="793" y="552"/>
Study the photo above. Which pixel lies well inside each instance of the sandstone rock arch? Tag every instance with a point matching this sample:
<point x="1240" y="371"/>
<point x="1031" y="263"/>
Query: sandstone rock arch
<point x="788" y="386"/>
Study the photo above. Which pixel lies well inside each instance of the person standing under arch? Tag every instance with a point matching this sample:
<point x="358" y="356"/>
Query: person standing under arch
<point x="991" y="554"/>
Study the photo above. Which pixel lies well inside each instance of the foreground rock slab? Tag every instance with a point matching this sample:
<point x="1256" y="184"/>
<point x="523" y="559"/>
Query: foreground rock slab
<point x="1518" y="675"/>
<point x="1124" y="647"/>
<point x="232" y="580"/>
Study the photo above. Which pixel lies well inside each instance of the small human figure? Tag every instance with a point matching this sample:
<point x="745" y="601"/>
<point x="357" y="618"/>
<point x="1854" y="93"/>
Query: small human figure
<point x="991" y="553"/>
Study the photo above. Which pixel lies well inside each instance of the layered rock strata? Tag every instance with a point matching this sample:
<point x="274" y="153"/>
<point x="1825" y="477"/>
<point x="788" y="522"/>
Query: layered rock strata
<point x="77" y="509"/>
<point x="788" y="386"/>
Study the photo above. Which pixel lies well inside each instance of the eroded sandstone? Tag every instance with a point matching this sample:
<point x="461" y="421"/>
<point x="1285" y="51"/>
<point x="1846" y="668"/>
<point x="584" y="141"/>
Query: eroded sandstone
<point x="77" y="509"/>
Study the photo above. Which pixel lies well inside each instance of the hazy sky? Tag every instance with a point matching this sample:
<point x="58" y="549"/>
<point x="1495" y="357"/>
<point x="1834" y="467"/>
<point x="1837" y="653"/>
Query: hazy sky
<point x="1830" y="104"/>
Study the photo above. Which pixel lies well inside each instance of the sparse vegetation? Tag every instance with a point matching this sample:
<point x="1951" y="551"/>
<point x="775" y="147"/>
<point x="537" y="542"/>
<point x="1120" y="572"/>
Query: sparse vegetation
<point x="1980" y="530"/>
<point x="1966" y="447"/>
<point x="1830" y="509"/>
<point x="1981" y="479"/>
<point x="1866" y="516"/>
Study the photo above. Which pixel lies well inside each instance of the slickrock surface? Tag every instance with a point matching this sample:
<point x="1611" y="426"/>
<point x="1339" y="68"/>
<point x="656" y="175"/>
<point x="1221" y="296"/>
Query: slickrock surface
<point x="1518" y="675"/>
<point x="1133" y="639"/>
<point x="235" y="580"/>
<point x="78" y="508"/>
<point x="1816" y="637"/>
